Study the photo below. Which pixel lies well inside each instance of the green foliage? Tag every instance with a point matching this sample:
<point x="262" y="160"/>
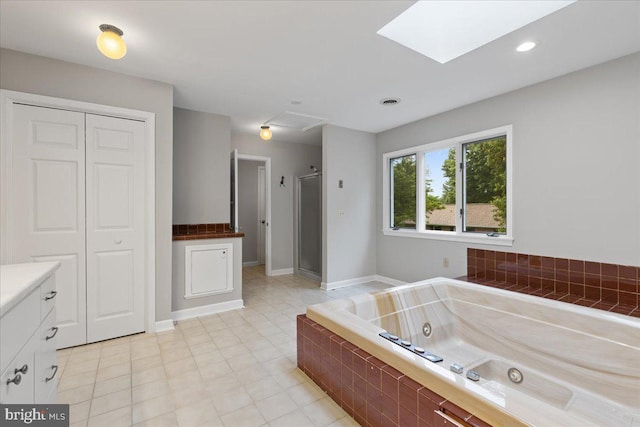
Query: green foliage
<point x="404" y="191"/>
<point x="449" y="187"/>
<point x="485" y="180"/>
<point x="433" y="202"/>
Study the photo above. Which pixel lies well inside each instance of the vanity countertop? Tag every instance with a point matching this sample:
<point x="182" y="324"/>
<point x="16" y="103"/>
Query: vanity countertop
<point x="18" y="280"/>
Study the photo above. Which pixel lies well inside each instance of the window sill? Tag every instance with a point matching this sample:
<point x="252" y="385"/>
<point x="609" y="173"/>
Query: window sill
<point x="480" y="239"/>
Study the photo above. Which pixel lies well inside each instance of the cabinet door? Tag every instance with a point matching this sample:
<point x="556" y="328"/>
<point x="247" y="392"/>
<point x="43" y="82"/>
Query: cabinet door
<point x="16" y="383"/>
<point x="47" y="205"/>
<point x="115" y="227"/>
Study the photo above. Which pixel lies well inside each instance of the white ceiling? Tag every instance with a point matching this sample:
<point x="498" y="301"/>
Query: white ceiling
<point x="250" y="59"/>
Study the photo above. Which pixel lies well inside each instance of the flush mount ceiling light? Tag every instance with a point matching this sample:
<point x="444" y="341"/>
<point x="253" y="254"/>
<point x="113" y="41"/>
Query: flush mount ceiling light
<point x="265" y="133"/>
<point x="445" y="30"/>
<point x="110" y="42"/>
<point x="526" y="46"/>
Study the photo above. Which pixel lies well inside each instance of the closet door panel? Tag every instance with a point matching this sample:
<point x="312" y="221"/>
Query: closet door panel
<point x="115" y="227"/>
<point x="47" y="205"/>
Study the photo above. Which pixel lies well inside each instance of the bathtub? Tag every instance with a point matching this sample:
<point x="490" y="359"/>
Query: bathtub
<point x="579" y="366"/>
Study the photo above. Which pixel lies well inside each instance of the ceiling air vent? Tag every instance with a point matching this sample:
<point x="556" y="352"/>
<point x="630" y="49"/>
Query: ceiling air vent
<point x="301" y="122"/>
<point x="389" y="101"/>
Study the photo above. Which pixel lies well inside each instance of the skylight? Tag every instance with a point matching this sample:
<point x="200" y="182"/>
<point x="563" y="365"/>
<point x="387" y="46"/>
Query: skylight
<point x="445" y="30"/>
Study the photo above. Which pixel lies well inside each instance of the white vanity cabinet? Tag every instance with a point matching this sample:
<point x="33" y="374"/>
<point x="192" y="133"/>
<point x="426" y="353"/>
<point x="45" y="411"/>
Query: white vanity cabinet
<point x="27" y="333"/>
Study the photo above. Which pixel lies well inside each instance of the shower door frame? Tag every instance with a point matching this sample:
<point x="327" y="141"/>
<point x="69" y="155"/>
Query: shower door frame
<point x="296" y="240"/>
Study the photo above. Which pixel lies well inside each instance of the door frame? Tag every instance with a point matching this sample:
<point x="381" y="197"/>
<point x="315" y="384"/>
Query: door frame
<point x="296" y="228"/>
<point x="262" y="206"/>
<point x="267" y="165"/>
<point x="7" y="99"/>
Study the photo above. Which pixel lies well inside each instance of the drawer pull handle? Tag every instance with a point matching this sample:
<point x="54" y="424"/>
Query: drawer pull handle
<point x="55" y="371"/>
<point x="51" y="295"/>
<point x="16" y="380"/>
<point x="22" y="370"/>
<point x="55" y="331"/>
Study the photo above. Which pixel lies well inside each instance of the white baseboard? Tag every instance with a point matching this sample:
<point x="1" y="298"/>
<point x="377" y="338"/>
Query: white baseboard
<point x="206" y="310"/>
<point x="282" y="272"/>
<point x="389" y="281"/>
<point x="359" y="280"/>
<point x="250" y="263"/>
<point x="329" y="286"/>
<point x="164" y="325"/>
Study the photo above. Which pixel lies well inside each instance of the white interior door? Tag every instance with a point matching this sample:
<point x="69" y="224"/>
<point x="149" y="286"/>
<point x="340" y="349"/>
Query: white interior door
<point x="115" y="227"/>
<point x="47" y="205"/>
<point x="262" y="213"/>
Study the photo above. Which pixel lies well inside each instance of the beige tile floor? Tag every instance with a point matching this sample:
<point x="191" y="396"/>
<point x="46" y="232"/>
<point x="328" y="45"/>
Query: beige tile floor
<point x="233" y="369"/>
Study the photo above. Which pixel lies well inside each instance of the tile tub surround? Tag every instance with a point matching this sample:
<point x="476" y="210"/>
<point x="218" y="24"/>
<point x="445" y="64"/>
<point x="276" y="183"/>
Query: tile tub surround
<point x="203" y="231"/>
<point x="372" y="392"/>
<point x="609" y="287"/>
<point x="579" y="363"/>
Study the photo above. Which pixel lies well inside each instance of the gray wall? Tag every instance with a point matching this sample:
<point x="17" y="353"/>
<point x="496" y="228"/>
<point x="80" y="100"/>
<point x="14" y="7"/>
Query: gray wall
<point x="44" y="76"/>
<point x="200" y="167"/>
<point x="576" y="180"/>
<point x="179" y="302"/>
<point x="248" y="208"/>
<point x="350" y="240"/>
<point x="288" y="160"/>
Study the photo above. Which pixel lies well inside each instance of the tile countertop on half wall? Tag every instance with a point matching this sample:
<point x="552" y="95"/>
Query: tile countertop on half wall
<point x="203" y="231"/>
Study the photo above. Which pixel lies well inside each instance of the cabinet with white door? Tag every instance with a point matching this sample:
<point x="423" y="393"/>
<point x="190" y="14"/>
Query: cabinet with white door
<point x="76" y="192"/>
<point x="28" y="333"/>
<point x="207" y="276"/>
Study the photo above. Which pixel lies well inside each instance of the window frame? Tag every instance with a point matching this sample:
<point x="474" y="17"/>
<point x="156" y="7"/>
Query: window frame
<point x="457" y="235"/>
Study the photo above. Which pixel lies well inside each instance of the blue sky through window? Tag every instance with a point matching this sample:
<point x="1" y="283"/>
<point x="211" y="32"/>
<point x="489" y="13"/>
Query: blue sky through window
<point x="433" y="161"/>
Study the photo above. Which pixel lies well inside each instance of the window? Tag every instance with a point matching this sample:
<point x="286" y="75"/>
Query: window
<point x="403" y="190"/>
<point x="458" y="189"/>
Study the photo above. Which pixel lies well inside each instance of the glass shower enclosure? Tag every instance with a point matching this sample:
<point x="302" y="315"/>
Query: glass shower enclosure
<point x="309" y="225"/>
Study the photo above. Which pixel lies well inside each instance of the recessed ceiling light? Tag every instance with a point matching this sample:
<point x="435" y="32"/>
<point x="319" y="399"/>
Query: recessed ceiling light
<point x="526" y="46"/>
<point x="389" y="101"/>
<point x="445" y="30"/>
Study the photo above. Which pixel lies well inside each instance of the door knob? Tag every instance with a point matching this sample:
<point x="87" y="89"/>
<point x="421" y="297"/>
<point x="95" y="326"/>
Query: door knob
<point x="117" y="242"/>
<point x="16" y="380"/>
<point x="22" y="370"/>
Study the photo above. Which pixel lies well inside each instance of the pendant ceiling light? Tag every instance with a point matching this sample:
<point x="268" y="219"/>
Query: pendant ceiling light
<point x="265" y="133"/>
<point x="110" y="42"/>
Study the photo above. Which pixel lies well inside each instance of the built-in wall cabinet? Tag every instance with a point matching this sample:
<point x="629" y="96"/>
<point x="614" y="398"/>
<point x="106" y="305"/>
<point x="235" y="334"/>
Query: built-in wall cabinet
<point x="75" y="188"/>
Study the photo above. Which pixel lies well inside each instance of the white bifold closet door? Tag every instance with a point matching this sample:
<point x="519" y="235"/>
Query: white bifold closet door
<point x="115" y="227"/>
<point x="77" y="196"/>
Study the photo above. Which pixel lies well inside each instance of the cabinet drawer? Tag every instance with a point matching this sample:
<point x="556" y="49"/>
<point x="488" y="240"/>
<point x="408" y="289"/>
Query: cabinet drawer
<point x="17" y="326"/>
<point x="17" y="387"/>
<point x="48" y="295"/>
<point x="46" y="367"/>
